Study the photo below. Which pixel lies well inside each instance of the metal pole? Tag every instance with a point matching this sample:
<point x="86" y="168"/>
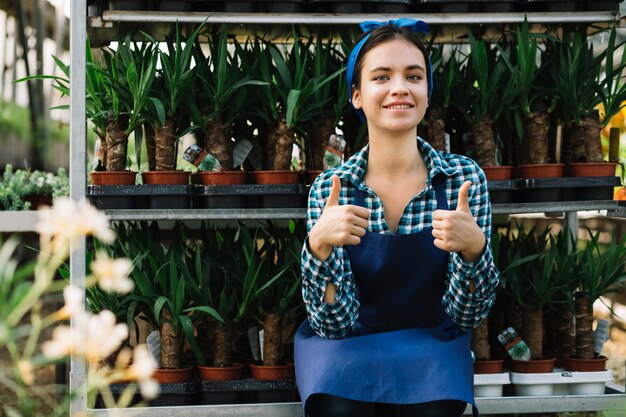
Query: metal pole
<point x="3" y="51"/>
<point x="78" y="162"/>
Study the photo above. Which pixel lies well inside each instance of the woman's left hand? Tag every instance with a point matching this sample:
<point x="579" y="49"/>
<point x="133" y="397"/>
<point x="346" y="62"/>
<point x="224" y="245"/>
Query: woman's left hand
<point x="457" y="231"/>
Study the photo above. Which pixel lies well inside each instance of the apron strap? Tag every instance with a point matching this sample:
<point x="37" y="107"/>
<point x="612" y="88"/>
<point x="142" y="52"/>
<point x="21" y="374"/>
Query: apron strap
<point x="437" y="183"/>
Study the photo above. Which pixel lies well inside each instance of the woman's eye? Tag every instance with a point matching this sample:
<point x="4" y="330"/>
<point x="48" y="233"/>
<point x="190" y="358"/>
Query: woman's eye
<point x="381" y="77"/>
<point x="414" y="77"/>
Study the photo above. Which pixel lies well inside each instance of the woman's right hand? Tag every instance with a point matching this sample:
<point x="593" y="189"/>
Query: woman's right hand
<point x="338" y="225"/>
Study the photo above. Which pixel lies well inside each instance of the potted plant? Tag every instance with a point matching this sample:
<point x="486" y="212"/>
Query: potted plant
<point x="169" y="113"/>
<point x="602" y="271"/>
<point x="490" y="91"/>
<point x="220" y="79"/>
<point x="279" y="285"/>
<point x="289" y="102"/>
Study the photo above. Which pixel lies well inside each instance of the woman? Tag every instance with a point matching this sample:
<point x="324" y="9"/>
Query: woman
<point x="394" y="278"/>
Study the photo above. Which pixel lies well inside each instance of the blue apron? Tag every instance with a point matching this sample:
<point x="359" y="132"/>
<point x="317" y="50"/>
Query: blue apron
<point x="404" y="349"/>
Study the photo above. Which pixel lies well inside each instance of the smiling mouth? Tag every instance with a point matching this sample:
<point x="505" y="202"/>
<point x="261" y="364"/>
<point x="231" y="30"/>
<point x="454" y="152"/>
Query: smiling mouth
<point x="401" y="106"/>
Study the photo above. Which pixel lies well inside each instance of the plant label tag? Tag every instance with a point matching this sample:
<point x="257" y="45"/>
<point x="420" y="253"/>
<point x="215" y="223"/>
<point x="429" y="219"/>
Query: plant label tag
<point x="261" y="334"/>
<point x="253" y="337"/>
<point x="154" y="346"/>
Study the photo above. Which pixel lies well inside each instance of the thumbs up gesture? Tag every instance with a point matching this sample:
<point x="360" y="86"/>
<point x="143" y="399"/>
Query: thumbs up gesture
<point x="338" y="225"/>
<point x="456" y="230"/>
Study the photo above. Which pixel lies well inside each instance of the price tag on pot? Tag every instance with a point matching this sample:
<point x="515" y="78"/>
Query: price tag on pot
<point x="253" y="337"/>
<point x="154" y="346"/>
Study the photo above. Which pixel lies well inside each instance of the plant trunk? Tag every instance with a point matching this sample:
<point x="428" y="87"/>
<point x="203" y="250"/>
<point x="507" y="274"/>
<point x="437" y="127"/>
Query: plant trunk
<point x="171" y="349"/>
<point x="574" y="143"/>
<point x="217" y="144"/>
<point x="497" y="325"/>
<point x="116" y="144"/>
<point x="593" y="141"/>
<point x="532" y="332"/>
<point x="148" y="133"/>
<point x="321" y="129"/>
<point x="165" y="142"/>
<point x="536" y="131"/>
<point x="437" y="128"/>
<point x="102" y="151"/>
<point x="284" y="146"/>
<point x="271" y="340"/>
<point x="270" y="148"/>
<point x="515" y="315"/>
<point x="584" y="323"/>
<point x="550" y="342"/>
<point x="485" y="142"/>
<point x="480" y="341"/>
<point x="223" y="341"/>
<point x="565" y="330"/>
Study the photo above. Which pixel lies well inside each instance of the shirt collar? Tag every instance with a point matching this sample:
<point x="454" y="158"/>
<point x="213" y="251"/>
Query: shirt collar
<point x="354" y="168"/>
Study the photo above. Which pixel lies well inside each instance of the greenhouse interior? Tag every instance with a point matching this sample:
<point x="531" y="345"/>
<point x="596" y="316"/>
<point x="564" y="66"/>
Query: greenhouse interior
<point x="199" y="198"/>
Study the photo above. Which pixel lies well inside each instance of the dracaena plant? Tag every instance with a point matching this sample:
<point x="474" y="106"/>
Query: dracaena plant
<point x="491" y="96"/>
<point x="224" y="88"/>
<point x="292" y="101"/>
<point x="170" y="112"/>
<point x="602" y="271"/>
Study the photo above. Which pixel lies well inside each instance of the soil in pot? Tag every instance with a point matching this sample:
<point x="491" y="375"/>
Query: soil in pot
<point x="533" y="366"/>
<point x="113" y="177"/>
<point x="584" y="365"/>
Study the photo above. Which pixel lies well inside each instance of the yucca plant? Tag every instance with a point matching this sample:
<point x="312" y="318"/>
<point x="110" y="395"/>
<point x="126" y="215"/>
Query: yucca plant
<point x="292" y="101"/>
<point x="170" y="113"/>
<point x="492" y="94"/>
<point x="531" y="117"/>
<point x="603" y="271"/>
<point x="222" y="98"/>
<point x="325" y="59"/>
<point x="445" y="72"/>
<point x="280" y="299"/>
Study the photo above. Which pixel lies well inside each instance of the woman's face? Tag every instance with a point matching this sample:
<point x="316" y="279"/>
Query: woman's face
<point x="394" y="87"/>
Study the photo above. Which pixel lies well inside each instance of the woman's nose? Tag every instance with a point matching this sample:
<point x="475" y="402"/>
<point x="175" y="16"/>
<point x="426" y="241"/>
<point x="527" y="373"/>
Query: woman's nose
<point x="399" y="87"/>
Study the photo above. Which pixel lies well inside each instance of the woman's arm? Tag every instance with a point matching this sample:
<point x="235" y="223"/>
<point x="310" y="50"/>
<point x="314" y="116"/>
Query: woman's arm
<point x="328" y="287"/>
<point x="471" y="285"/>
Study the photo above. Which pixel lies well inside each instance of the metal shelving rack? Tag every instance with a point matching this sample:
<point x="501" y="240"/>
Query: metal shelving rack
<point x="106" y="26"/>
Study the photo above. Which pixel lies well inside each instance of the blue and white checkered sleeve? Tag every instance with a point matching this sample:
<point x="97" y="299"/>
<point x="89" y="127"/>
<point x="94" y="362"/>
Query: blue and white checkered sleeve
<point x="465" y="308"/>
<point x="333" y="321"/>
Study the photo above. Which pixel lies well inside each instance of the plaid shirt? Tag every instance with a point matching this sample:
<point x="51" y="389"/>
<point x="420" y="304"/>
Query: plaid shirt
<point x="466" y="309"/>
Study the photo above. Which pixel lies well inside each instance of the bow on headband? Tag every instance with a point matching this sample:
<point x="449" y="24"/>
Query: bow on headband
<point x="368" y="26"/>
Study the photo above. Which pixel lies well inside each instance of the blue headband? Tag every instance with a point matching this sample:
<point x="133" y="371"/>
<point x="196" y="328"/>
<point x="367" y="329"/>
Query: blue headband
<point x="369" y="26"/>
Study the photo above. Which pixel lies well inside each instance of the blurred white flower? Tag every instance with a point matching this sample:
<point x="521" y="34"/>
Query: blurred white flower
<point x="142" y="369"/>
<point x="112" y="274"/>
<point x="26" y="370"/>
<point x="67" y="219"/>
<point x="101" y="338"/>
<point x="73" y="297"/>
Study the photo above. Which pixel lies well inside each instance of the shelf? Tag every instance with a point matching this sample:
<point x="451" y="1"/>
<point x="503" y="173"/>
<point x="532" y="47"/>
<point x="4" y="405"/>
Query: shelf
<point x="446" y="27"/>
<point x="503" y="405"/>
<point x="25" y="221"/>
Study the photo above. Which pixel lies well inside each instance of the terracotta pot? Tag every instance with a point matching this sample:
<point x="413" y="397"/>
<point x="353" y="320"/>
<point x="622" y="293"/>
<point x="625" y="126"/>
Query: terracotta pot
<point x="541" y="170"/>
<point x="584" y="365"/>
<point x="488" y="367"/>
<point x="166" y="177"/>
<point x="172" y="376"/>
<point x="592" y="169"/>
<point x="533" y="366"/>
<point x="310" y="176"/>
<point x="499" y="173"/>
<point x="209" y="373"/>
<point x="113" y="177"/>
<point x="223" y="178"/>
<point x="276" y="177"/>
<point x="272" y="372"/>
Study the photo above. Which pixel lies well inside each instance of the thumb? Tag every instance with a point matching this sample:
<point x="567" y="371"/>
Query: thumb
<point x="463" y="201"/>
<point x="333" y="198"/>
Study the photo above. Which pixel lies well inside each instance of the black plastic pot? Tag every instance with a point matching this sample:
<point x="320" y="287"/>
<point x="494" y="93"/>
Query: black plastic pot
<point x="551" y="5"/>
<point x="450" y="6"/>
<point x="284" y="6"/>
<point x="503" y="192"/>
<point x="247" y="391"/>
<point x="596" y="188"/>
<point x="176" y="394"/>
<point x="173" y="5"/>
<point x="221" y="196"/>
<point x="116" y="391"/>
<point x="128" y="5"/>
<point x="393" y="6"/>
<point x="207" y="5"/>
<point x="115" y="197"/>
<point x="168" y="196"/>
<point x="499" y="6"/>
<point x="339" y="6"/>
<point x="96" y="7"/>
<point x="240" y="6"/>
<point x="542" y="190"/>
<point x="277" y="196"/>
<point x="602" y="5"/>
